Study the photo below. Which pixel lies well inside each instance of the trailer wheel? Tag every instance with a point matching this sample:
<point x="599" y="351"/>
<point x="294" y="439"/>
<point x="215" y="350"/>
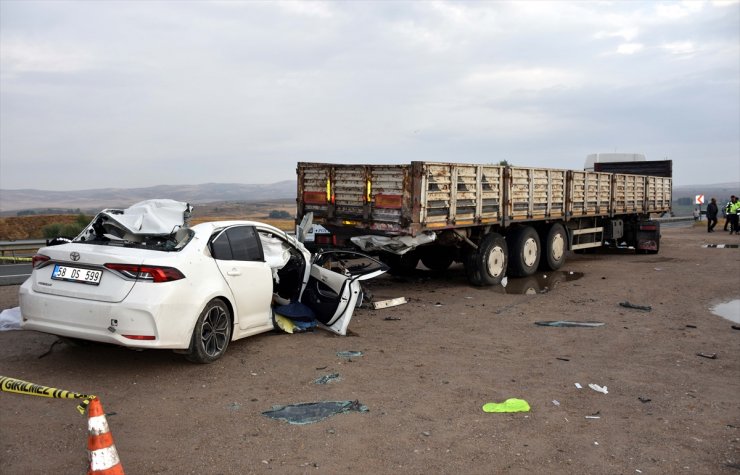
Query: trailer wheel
<point x="404" y="264"/>
<point x="555" y="247"/>
<point x="487" y="264"/>
<point x="524" y="251"/>
<point x="437" y="258"/>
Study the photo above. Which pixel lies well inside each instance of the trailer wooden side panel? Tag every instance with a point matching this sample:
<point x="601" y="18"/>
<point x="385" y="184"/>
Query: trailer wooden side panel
<point x="459" y="195"/>
<point x="589" y="193"/>
<point x="628" y="194"/>
<point x="313" y="193"/>
<point x="658" y="194"/>
<point x="535" y="193"/>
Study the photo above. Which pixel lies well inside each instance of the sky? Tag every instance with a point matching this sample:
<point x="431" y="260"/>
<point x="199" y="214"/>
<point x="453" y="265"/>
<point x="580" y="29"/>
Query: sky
<point x="140" y="93"/>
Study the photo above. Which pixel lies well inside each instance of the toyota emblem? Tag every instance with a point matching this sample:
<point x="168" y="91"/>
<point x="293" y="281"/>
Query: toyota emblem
<point x="75" y="256"/>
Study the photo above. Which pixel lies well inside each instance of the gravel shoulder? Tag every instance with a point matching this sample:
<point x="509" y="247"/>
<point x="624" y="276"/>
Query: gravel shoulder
<point x="424" y="376"/>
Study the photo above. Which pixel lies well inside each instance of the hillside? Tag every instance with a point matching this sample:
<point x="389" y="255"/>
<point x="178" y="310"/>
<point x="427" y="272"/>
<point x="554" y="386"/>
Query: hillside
<point x="90" y="201"/>
<point x="31" y="227"/>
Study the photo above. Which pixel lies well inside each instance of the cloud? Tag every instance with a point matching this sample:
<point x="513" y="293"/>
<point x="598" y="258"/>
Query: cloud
<point x="630" y="48"/>
<point x="240" y="91"/>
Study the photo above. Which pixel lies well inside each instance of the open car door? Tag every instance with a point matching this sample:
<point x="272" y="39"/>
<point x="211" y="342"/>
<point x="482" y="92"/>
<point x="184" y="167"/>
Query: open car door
<point x="333" y="287"/>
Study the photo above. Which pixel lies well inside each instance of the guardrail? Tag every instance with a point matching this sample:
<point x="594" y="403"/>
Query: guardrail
<point x="20" y="251"/>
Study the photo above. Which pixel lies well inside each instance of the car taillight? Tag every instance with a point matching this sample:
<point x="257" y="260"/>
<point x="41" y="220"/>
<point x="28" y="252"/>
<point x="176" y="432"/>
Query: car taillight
<point x="38" y="260"/>
<point x="648" y="227"/>
<point x="147" y="273"/>
<point x="139" y="337"/>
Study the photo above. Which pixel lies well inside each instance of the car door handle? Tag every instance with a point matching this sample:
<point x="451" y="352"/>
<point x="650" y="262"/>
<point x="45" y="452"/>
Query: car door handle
<point x="233" y="272"/>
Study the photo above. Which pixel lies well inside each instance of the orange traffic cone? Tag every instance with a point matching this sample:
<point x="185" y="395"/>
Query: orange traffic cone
<point x="102" y="452"/>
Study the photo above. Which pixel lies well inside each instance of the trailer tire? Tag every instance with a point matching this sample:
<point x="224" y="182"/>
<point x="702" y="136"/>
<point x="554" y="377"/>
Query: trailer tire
<point x="437" y="258"/>
<point x="555" y="247"/>
<point x="402" y="265"/>
<point x="524" y="251"/>
<point x="487" y="264"/>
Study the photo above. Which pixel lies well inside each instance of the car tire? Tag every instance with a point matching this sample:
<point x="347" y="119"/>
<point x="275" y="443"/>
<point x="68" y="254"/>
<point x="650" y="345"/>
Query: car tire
<point x="556" y="244"/>
<point x="524" y="251"/>
<point x="487" y="264"/>
<point x="212" y="333"/>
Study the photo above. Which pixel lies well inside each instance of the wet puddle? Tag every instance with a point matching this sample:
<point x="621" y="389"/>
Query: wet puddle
<point x="539" y="283"/>
<point x="729" y="310"/>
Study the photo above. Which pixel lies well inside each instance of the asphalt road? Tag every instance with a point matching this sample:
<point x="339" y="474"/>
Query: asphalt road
<point x="14" y="274"/>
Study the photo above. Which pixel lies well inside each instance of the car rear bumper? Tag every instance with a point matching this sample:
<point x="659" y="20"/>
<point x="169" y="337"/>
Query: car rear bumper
<point x="140" y="314"/>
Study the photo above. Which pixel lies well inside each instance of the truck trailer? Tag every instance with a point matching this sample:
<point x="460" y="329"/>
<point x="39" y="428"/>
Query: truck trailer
<point x="497" y="220"/>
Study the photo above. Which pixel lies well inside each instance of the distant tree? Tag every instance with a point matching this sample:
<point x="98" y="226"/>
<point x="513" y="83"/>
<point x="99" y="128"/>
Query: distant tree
<point x="26" y="212"/>
<point x="68" y="230"/>
<point x="52" y="230"/>
<point x="82" y="219"/>
<point x="505" y="163"/>
<point x="279" y="214"/>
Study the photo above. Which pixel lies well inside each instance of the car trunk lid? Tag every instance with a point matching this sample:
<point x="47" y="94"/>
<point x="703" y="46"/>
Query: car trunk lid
<point x="77" y="266"/>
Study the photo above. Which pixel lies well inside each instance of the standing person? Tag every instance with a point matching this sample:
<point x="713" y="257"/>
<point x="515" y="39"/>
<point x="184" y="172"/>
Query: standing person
<point x="696" y="214"/>
<point x="726" y="211"/>
<point x="734" y="211"/>
<point x="712" y="215"/>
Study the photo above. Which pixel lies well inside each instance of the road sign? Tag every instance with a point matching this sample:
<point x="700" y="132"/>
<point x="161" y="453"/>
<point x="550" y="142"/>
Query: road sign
<point x="699" y="200"/>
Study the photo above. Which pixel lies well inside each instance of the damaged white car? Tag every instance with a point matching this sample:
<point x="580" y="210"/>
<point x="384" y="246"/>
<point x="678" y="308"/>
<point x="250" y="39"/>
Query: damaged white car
<point x="142" y="278"/>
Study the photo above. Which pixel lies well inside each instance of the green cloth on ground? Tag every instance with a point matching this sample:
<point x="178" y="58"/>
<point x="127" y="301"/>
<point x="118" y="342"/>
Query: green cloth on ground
<point x="510" y="405"/>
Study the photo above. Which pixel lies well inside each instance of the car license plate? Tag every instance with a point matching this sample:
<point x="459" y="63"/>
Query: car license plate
<point x="76" y="274"/>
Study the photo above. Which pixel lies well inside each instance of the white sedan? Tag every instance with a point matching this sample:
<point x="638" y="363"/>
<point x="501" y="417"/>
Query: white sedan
<point x="142" y="278"/>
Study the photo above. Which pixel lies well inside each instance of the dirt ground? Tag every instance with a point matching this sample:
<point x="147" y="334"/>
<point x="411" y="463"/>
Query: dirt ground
<point x="424" y="376"/>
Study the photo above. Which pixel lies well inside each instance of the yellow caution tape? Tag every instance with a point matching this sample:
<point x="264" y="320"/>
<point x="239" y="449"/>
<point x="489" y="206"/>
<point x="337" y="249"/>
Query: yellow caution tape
<point x="12" y="385"/>
<point x="20" y="259"/>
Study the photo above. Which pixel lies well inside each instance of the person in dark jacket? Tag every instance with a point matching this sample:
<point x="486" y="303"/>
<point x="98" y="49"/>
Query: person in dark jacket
<point x="712" y="215"/>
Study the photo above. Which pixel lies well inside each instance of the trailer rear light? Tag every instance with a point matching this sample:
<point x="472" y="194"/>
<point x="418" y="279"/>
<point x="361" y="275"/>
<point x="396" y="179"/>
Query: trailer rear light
<point x="139" y="337"/>
<point x="147" y="273"/>
<point x="648" y="227"/>
<point x="38" y="260"/>
<point x="323" y="239"/>
<point x="388" y="201"/>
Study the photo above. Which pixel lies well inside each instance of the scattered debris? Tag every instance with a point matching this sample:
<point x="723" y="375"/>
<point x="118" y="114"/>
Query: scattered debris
<point x="735" y="327"/>
<point x="389" y="303"/>
<point x="578" y="385"/>
<point x="598" y="389"/>
<point x="510" y="405"/>
<point x="644" y="399"/>
<point x="593" y="417"/>
<point x="322" y="367"/>
<point x="234" y="406"/>
<point x="711" y="356"/>
<point x="690" y="326"/>
<point x="567" y="323"/>
<point x="562" y="359"/>
<point x="426" y="433"/>
<point x="349" y="354"/>
<point x="626" y="304"/>
<point x="10" y="319"/>
<point x="392" y="319"/>
<point x="327" y="378"/>
<point x="556" y="402"/>
<point x="438" y="304"/>
<point x="48" y="352"/>
<point x="310" y="412"/>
